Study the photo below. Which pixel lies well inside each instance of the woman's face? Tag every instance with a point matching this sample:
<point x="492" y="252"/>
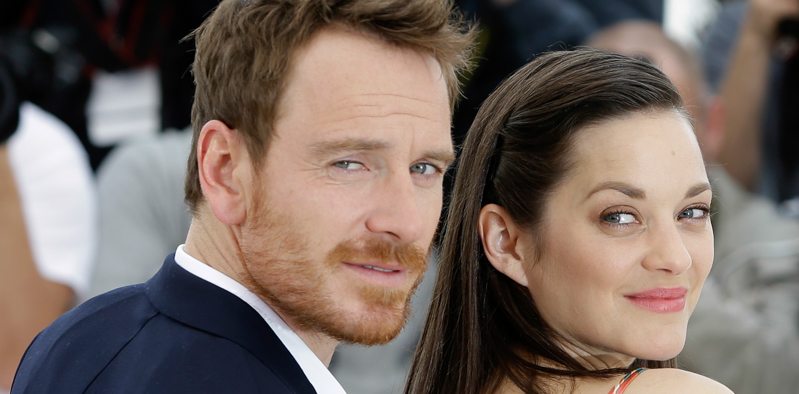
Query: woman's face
<point x="626" y="240"/>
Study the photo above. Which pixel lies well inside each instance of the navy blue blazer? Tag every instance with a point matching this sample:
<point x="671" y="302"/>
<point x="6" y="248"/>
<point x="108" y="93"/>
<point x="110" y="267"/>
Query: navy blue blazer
<point x="176" y="333"/>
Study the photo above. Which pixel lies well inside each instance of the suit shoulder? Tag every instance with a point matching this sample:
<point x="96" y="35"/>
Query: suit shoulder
<point x="168" y="357"/>
<point x="672" y="380"/>
<point x="120" y="312"/>
<point x="79" y="344"/>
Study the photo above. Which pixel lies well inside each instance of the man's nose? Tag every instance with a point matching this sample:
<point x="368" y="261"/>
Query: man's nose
<point x="668" y="252"/>
<point x="397" y="211"/>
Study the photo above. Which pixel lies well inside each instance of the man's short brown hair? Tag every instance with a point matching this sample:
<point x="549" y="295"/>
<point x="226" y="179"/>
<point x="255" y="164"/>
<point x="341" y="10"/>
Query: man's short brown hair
<point x="245" y="48"/>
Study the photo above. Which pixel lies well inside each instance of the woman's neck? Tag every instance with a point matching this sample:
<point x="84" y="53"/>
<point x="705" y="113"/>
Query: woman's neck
<point x="594" y="358"/>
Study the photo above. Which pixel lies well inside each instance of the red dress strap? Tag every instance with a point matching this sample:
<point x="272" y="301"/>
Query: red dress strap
<point x="625" y="381"/>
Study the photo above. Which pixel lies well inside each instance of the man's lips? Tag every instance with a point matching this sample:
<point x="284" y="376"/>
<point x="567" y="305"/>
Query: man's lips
<point x="661" y="299"/>
<point x="382" y="267"/>
<point x="389" y="275"/>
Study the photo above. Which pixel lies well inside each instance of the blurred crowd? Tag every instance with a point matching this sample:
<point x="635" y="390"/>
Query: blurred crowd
<point x="78" y="219"/>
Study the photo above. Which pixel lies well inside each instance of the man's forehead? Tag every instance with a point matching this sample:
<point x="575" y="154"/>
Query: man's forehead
<point x="338" y="59"/>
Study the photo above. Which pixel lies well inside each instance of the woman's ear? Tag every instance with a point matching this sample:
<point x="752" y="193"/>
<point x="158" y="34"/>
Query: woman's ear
<point x="503" y="242"/>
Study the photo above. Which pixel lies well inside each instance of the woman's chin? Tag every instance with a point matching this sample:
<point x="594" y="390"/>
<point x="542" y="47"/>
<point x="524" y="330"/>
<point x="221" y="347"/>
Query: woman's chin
<point x="660" y="351"/>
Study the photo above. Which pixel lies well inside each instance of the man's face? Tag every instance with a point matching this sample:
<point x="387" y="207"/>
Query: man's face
<point x="346" y="202"/>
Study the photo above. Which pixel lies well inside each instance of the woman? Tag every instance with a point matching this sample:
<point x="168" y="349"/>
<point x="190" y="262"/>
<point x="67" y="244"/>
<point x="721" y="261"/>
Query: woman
<point x="578" y="238"/>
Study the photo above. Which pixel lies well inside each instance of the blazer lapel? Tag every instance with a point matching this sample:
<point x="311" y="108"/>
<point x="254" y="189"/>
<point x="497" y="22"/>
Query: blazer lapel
<point x="205" y="306"/>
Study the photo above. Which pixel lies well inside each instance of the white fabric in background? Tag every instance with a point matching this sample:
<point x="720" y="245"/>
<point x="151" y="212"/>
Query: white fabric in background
<point x="57" y="190"/>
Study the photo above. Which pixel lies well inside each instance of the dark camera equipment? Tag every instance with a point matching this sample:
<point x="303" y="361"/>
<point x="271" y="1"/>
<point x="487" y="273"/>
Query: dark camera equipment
<point x="9" y="105"/>
<point x="788" y="28"/>
<point x="33" y="65"/>
<point x="788" y="119"/>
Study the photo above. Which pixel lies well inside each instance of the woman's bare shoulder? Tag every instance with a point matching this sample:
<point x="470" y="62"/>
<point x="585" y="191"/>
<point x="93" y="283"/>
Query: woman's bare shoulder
<point x="671" y="380"/>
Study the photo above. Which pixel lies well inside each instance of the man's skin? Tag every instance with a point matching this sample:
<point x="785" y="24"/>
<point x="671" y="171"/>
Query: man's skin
<point x="362" y="141"/>
<point x="28" y="302"/>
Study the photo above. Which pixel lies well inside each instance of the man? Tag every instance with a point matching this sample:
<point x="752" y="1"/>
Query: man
<point x="743" y="331"/>
<point x="142" y="217"/>
<point x="321" y="134"/>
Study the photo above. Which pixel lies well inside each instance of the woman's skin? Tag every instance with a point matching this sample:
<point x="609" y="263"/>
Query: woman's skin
<point x="623" y="250"/>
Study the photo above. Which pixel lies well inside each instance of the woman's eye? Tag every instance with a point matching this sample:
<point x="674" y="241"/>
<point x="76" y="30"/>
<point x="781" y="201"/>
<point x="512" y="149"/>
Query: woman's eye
<point x="692" y="213"/>
<point x="424" y="168"/>
<point x="620" y="218"/>
<point x="348" y="165"/>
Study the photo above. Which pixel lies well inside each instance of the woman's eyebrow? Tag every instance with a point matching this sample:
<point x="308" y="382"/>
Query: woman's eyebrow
<point x="621" y="187"/>
<point x="697" y="189"/>
<point x="639" y="194"/>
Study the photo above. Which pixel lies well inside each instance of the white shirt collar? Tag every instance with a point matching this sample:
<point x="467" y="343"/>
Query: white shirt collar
<point x="316" y="372"/>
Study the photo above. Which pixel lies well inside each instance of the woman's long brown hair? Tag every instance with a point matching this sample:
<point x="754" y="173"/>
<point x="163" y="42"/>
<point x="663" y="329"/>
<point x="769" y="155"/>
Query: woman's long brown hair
<point x="483" y="327"/>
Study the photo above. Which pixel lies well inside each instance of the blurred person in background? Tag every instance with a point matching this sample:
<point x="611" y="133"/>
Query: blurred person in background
<point x="47" y="219"/>
<point x="514" y="31"/>
<point x="49" y="50"/>
<point x="64" y="42"/>
<point x="744" y="330"/>
<point x="56" y="49"/>
<point x="750" y="55"/>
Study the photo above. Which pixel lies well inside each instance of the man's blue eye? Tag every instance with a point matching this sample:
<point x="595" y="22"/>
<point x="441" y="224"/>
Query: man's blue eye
<point x="423" y="168"/>
<point x="348" y="165"/>
<point x="619" y="218"/>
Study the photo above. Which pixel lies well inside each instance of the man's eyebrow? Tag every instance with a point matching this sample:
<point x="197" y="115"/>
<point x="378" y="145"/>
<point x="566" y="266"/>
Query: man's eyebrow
<point x="620" y="187"/>
<point x="325" y="148"/>
<point x="698" y="189"/>
<point x="443" y="156"/>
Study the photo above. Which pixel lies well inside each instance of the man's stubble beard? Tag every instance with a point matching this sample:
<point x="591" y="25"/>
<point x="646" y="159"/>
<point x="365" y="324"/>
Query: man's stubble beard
<point x="277" y="269"/>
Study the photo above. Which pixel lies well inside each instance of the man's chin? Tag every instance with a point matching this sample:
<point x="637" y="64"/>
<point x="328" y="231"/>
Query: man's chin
<point x="366" y="314"/>
<point x="377" y="325"/>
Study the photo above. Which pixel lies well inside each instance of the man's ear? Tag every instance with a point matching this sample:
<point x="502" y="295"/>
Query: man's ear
<point x="503" y="242"/>
<point x="219" y="154"/>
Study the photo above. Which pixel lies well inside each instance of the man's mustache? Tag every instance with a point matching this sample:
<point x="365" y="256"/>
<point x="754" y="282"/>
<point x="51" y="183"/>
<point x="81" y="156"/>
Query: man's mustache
<point x="410" y="256"/>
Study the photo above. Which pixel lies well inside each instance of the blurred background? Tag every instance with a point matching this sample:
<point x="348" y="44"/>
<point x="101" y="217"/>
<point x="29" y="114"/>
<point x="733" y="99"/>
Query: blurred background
<point x="96" y="99"/>
<point x="123" y="87"/>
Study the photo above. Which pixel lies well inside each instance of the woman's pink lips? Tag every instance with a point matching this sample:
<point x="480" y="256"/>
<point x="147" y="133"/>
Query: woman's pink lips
<point x="661" y="299"/>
